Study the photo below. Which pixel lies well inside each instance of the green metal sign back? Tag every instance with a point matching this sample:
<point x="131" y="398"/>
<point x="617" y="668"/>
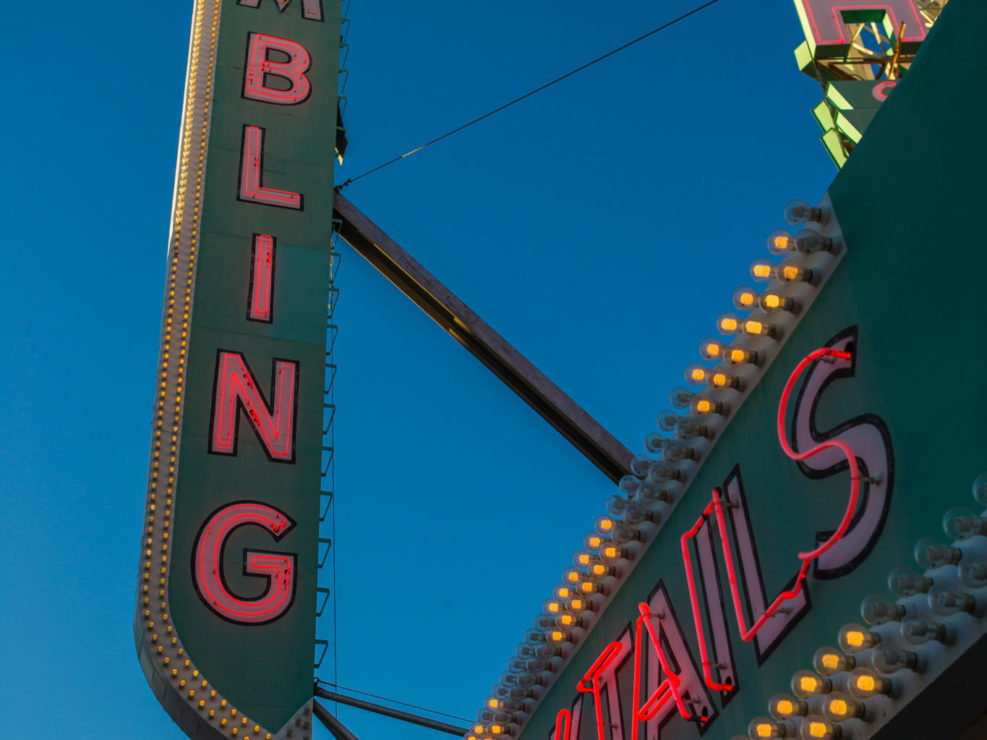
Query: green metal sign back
<point x="225" y="620"/>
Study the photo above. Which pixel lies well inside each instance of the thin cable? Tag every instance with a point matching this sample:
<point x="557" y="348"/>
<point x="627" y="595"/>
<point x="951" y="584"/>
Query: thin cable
<point x="393" y="701"/>
<point x="533" y="92"/>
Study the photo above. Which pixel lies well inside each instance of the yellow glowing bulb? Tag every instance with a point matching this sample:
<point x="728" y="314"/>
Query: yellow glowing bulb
<point x="762" y="730"/>
<point x="477" y="729"/>
<point x="496" y="729"/>
<point x="753" y="327"/>
<point x="855" y="638"/>
<point x="866" y="683"/>
<point x="761" y="270"/>
<point x="586" y="586"/>
<point x="704" y="406"/>
<point x="818" y="729"/>
<point x="572" y="576"/>
<point x="839" y="707"/>
<point x="729" y="324"/>
<point x="583" y="558"/>
<point x="595" y="541"/>
<point x="557" y="636"/>
<point x="781" y="242"/>
<point x="747" y="299"/>
<point x="563" y="592"/>
<point x="831" y="661"/>
<point x="610" y="552"/>
<point x="720" y="380"/>
<point x="606" y="524"/>
<point x="577" y="604"/>
<point x="808" y="683"/>
<point x="566" y="620"/>
<point x="493" y="703"/>
<point x="785" y="707"/>
<point x="790" y="272"/>
<point x="772" y="301"/>
<point x="554" y="607"/>
<point x="698" y="375"/>
<point x="599" y="569"/>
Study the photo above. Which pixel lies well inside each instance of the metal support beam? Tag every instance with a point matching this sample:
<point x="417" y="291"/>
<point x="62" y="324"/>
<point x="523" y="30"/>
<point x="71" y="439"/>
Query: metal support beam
<point x="568" y="418"/>
<point x="388" y="712"/>
<point x="332" y="724"/>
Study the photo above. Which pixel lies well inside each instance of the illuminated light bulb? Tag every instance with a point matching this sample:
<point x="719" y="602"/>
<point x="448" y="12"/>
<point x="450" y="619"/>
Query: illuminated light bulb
<point x="703" y="406"/>
<point x="559" y="636"/>
<point x="492" y="703"/>
<point x="829" y="661"/>
<point x="890" y="659"/>
<point x="762" y="270"/>
<point x="599" y="570"/>
<point x="809" y="241"/>
<point x="781" y="242"/>
<point x="572" y="575"/>
<point x="583" y="559"/>
<point x="784" y="706"/>
<point x="980" y="489"/>
<point x="865" y="683"/>
<point x="819" y="728"/>
<point x="840" y="707"/>
<point x="613" y="552"/>
<point x="855" y="639"/>
<point x="721" y="379"/>
<point x="668" y="421"/>
<point x="568" y="621"/>
<point x="945" y="600"/>
<point x="765" y="727"/>
<point x="800" y="212"/>
<point x="593" y="541"/>
<point x="877" y="609"/>
<point x="930" y="553"/>
<point x="689" y="427"/>
<point x="905" y="582"/>
<point x="962" y="524"/>
<point x="728" y="324"/>
<point x="920" y="631"/>
<point x="695" y="374"/>
<point x="589" y="587"/>
<point x="711" y="349"/>
<point x="789" y="272"/>
<point x="740" y="356"/>
<point x="973" y="571"/>
<point x="680" y="398"/>
<point x="806" y="684"/>
<point x="563" y="591"/>
<point x="777" y="302"/>
<point x="758" y="328"/>
<point x="744" y="299"/>
<point x="578" y="604"/>
<point x="603" y="524"/>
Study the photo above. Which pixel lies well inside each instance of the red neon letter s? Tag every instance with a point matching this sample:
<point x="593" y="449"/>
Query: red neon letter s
<point x="278" y="568"/>
<point x="823" y="20"/>
<point x="259" y="67"/>
<point x="252" y="189"/>
<point x="236" y="388"/>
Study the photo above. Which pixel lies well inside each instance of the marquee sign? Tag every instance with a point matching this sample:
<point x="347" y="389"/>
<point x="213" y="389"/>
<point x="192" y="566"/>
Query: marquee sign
<point x="225" y="622"/>
<point x="768" y="569"/>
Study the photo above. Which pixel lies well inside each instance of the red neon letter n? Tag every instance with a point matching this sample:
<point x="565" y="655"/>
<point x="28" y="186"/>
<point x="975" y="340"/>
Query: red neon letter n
<point x="236" y="388"/>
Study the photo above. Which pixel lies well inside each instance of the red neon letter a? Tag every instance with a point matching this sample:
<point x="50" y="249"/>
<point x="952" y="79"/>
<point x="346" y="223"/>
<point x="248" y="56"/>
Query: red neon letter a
<point x="259" y="67"/>
<point x="236" y="388"/>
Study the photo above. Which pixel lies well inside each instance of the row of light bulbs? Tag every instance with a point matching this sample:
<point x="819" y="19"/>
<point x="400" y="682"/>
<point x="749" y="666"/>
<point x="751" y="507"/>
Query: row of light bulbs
<point x="842" y="683"/>
<point x="654" y="485"/>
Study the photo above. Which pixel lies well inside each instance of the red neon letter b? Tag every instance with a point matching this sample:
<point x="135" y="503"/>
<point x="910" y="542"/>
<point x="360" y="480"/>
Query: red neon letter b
<point x="259" y="67"/>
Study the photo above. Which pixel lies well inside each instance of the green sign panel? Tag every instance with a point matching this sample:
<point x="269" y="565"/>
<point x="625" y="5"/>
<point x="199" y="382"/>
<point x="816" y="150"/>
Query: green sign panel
<point x="226" y="607"/>
<point x="747" y="581"/>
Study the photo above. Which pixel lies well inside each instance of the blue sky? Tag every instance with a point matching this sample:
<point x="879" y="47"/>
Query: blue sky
<point x="600" y="227"/>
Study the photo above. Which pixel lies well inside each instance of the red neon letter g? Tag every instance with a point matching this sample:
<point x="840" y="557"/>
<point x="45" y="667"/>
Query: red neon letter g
<point x="278" y="568"/>
<point x="292" y="71"/>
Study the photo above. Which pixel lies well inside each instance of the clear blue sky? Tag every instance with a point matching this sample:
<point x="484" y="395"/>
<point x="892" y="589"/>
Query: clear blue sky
<point x="600" y="226"/>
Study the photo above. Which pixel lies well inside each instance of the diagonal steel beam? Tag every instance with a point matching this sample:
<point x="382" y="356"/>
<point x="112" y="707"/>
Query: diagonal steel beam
<point x="414" y="719"/>
<point x="335" y="727"/>
<point x="568" y="418"/>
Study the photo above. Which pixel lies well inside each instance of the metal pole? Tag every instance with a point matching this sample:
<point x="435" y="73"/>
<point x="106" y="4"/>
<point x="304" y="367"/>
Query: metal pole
<point x="388" y="712"/>
<point x="332" y="724"/>
<point x="435" y="299"/>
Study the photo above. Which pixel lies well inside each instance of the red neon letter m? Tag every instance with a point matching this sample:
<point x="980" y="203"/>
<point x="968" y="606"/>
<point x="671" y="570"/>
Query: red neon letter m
<point x="311" y="9"/>
<point x="235" y="389"/>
